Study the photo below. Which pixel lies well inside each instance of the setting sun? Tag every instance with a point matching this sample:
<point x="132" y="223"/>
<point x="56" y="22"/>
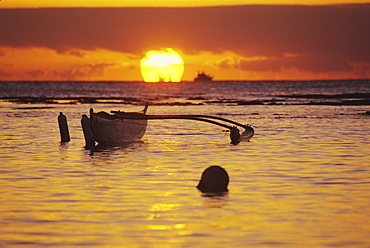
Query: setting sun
<point x="163" y="65"/>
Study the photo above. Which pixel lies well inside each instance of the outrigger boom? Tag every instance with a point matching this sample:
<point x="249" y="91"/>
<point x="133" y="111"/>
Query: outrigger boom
<point x="234" y="131"/>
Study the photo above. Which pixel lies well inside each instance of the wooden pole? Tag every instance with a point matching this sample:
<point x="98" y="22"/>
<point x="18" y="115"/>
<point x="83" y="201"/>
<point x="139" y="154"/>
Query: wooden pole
<point x="63" y="128"/>
<point x="89" y="139"/>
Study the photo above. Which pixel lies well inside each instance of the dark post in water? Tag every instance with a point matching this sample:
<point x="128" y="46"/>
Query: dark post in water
<point x="89" y="139"/>
<point x="63" y="128"/>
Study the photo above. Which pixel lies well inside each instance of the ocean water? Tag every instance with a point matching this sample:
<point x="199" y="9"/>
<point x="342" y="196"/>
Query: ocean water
<point x="302" y="181"/>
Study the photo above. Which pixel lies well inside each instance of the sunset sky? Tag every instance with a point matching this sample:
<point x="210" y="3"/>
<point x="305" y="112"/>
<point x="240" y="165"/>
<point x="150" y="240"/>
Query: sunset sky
<point x="58" y="40"/>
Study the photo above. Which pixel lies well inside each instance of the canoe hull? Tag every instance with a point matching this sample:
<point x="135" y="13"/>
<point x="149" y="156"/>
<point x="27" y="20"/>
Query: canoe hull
<point x="109" y="130"/>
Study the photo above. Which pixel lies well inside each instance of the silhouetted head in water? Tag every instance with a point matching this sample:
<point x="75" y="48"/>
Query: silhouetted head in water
<point x="214" y="180"/>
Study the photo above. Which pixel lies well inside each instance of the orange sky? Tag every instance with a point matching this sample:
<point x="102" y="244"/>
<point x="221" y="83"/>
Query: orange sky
<point x="160" y="3"/>
<point x="246" y="42"/>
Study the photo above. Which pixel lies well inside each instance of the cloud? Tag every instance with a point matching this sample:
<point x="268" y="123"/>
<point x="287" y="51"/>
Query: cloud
<point x="72" y="52"/>
<point x="83" y="71"/>
<point x="326" y="38"/>
<point x="36" y="73"/>
<point x="4" y="74"/>
<point x="309" y="63"/>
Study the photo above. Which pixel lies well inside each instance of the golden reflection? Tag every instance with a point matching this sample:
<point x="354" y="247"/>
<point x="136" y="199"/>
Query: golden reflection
<point x="158" y="227"/>
<point x="164" y="65"/>
<point x="166" y="227"/>
<point x="159" y="208"/>
<point x="162" y="207"/>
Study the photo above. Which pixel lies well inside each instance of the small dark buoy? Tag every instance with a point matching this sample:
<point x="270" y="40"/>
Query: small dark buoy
<point x="63" y="128"/>
<point x="214" y="180"/>
<point x="89" y="139"/>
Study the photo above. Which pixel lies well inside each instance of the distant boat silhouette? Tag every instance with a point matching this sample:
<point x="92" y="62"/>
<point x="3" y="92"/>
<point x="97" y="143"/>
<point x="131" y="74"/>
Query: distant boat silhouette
<point x="203" y="77"/>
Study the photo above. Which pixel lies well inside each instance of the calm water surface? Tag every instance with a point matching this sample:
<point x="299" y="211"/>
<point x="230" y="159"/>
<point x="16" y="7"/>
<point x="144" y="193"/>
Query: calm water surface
<point x="302" y="181"/>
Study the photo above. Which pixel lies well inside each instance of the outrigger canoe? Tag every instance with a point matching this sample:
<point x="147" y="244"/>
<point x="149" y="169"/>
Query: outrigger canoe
<point x="126" y="127"/>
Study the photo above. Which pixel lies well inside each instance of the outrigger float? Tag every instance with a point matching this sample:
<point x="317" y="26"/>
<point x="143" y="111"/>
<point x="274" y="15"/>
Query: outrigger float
<point x="126" y="127"/>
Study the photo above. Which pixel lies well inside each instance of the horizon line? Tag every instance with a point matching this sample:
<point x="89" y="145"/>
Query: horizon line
<point x="188" y="81"/>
